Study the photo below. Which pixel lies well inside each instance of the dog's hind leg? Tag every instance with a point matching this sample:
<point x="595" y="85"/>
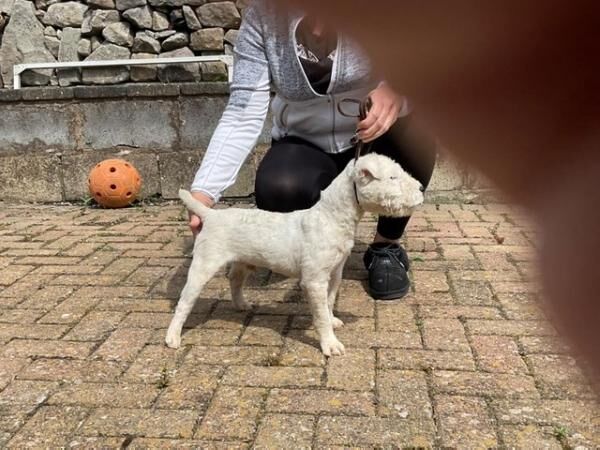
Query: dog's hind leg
<point x="316" y="293"/>
<point x="201" y="271"/>
<point x="237" y="276"/>
<point x="334" y="285"/>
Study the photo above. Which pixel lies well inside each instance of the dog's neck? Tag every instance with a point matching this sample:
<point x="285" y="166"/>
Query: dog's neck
<point x="339" y="201"/>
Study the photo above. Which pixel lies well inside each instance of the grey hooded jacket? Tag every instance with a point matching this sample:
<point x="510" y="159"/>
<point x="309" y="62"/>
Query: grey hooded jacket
<point x="265" y="60"/>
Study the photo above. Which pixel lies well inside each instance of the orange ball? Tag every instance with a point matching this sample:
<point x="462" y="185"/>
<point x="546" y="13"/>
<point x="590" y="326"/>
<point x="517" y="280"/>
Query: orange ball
<point x="114" y="183"/>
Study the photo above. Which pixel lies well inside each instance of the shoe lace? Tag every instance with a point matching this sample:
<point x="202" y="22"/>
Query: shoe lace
<point x="388" y="251"/>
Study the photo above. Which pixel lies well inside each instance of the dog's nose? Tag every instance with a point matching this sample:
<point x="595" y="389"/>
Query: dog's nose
<point x="422" y="188"/>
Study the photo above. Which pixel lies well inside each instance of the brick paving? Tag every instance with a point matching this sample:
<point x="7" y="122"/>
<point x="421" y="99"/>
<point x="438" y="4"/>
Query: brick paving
<point x="466" y="360"/>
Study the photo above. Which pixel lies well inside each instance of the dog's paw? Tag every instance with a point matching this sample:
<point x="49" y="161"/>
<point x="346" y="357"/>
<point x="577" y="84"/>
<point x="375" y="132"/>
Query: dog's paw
<point x="337" y="323"/>
<point x="173" y="340"/>
<point x="332" y="347"/>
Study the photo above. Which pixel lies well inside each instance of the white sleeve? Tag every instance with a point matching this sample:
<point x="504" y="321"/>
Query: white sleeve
<point x="234" y="138"/>
<point x="242" y="121"/>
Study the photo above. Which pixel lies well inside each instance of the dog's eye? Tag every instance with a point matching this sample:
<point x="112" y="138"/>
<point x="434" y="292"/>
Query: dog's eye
<point x="393" y="178"/>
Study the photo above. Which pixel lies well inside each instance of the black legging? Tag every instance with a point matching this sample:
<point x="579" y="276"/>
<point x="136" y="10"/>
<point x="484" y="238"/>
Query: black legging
<point x="293" y="173"/>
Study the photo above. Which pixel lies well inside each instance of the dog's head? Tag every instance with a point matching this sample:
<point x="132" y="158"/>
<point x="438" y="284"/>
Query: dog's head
<point x="383" y="187"/>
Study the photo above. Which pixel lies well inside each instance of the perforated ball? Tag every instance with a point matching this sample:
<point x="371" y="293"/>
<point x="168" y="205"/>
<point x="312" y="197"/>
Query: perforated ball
<point x="114" y="183"/>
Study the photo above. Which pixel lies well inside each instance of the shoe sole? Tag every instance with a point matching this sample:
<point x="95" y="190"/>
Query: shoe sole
<point x="397" y="295"/>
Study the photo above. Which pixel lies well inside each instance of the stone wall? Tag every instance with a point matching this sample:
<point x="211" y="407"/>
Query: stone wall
<point x="50" y="137"/>
<point x="50" y="30"/>
<point x="160" y="118"/>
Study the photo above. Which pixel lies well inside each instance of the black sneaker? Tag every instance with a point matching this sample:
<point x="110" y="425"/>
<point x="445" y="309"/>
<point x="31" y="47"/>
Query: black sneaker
<point x="387" y="265"/>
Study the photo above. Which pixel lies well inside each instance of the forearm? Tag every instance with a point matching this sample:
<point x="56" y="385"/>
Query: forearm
<point x="233" y="140"/>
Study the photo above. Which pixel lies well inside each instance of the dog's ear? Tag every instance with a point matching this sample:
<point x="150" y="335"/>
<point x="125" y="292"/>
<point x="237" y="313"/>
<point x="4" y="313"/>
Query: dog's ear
<point x="366" y="169"/>
<point x="366" y="174"/>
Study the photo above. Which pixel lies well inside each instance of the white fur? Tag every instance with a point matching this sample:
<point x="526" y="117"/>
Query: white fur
<point x="311" y="244"/>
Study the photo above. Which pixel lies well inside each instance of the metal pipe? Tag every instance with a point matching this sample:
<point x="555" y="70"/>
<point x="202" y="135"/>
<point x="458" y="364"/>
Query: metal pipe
<point x="18" y="69"/>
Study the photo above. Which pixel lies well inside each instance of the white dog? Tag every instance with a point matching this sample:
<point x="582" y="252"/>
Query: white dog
<point x="311" y="244"/>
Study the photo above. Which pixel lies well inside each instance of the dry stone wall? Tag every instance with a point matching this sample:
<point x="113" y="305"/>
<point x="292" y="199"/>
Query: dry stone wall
<point x="50" y="30"/>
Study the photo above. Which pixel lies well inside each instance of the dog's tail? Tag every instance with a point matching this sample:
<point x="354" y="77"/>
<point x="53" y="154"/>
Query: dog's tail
<point x="195" y="206"/>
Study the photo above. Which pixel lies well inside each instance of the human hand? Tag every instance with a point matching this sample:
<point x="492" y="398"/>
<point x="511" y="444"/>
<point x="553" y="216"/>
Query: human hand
<point x="195" y="222"/>
<point x="386" y="106"/>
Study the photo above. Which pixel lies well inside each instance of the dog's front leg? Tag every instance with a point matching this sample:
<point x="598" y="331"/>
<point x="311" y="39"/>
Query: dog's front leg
<point x="334" y="285"/>
<point x="316" y="294"/>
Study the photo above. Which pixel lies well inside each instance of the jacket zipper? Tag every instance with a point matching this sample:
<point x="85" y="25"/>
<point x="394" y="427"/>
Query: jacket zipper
<point x="334" y="77"/>
<point x="333" y="143"/>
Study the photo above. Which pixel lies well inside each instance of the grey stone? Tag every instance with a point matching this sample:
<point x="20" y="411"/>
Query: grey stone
<point x="144" y="43"/>
<point x="22" y="42"/>
<point x="84" y="48"/>
<point x="199" y="118"/>
<point x="241" y="4"/>
<point x="31" y="178"/>
<point x="42" y="4"/>
<point x="37" y="94"/>
<point x="96" y="43"/>
<point x="160" y="21"/>
<point x="10" y="95"/>
<point x="178" y="40"/>
<point x="213" y="71"/>
<point x="207" y="39"/>
<point x="6" y="6"/>
<point x="95" y="92"/>
<point x="68" y="44"/>
<point x="244" y="184"/>
<point x="143" y="73"/>
<point x="86" y="25"/>
<point x="447" y="176"/>
<point x="231" y="36"/>
<point x="68" y="52"/>
<point x="119" y="33"/>
<point x="106" y="75"/>
<point x="221" y="14"/>
<point x="122" y="5"/>
<point x="178" y="72"/>
<point x="145" y="124"/>
<point x="213" y="88"/>
<point x="49" y="31"/>
<point x="167" y="3"/>
<point x="228" y="50"/>
<point x="102" y="4"/>
<point x="68" y="14"/>
<point x="160" y="35"/>
<point x="48" y="126"/>
<point x="77" y="167"/>
<point x="177" y="171"/>
<point x="52" y="43"/>
<point x="141" y="17"/>
<point x="153" y="90"/>
<point x="102" y="18"/>
<point x="190" y="18"/>
<point x="3" y="21"/>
